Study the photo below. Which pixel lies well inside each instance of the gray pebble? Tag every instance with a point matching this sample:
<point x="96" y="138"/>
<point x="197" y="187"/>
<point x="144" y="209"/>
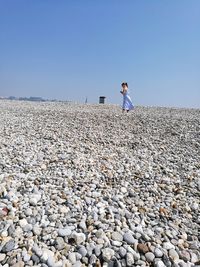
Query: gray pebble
<point x="117" y="236"/>
<point x="83" y="251"/>
<point x="9" y="246"/>
<point x="107" y="254"/>
<point x="72" y="257"/>
<point x="122" y="252"/>
<point x="149" y="256"/>
<point x="158" y="253"/>
<point x="159" y="263"/>
<point x="35" y="259"/>
<point x="173" y="255"/>
<point x="64" y="232"/>
<point x="129" y="259"/>
<point x="60" y="243"/>
<point x="128" y="238"/>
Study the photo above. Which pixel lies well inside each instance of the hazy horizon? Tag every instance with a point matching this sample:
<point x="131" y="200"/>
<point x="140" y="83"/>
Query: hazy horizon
<point x="73" y="50"/>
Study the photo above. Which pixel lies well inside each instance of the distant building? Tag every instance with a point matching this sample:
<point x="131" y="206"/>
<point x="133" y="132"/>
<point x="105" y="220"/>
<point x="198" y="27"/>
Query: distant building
<point x="36" y="98"/>
<point x="12" y="97"/>
<point x="32" y="98"/>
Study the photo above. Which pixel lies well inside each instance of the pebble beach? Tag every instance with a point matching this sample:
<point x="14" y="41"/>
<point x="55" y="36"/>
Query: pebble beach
<point x="85" y="185"/>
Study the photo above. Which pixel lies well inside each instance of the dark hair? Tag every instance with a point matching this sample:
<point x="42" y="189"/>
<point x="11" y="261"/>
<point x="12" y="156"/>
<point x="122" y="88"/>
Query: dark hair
<point x="126" y="84"/>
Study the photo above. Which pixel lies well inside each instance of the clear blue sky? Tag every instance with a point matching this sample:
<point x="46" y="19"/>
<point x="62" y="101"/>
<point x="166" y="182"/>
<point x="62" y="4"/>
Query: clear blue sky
<point x="70" y="49"/>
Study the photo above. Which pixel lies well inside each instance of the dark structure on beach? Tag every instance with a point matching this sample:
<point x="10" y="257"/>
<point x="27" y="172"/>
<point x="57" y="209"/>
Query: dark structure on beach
<point x="102" y="99"/>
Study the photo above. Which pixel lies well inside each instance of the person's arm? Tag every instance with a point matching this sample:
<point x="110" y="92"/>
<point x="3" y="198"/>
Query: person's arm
<point x="123" y="91"/>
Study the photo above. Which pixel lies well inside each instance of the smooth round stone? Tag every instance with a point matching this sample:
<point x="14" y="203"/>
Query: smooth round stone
<point x="117" y="263"/>
<point x="183" y="236"/>
<point x="116" y="243"/>
<point x="100" y="241"/>
<point x="131" y="193"/>
<point x="173" y="255"/>
<point x="44" y="257"/>
<point x="43" y="167"/>
<point x="64" y="232"/>
<point x="99" y="233"/>
<point x="168" y="246"/>
<point x="136" y="255"/>
<point x="4" y="233"/>
<point x="194" y="245"/>
<point x="107" y="254"/>
<point x="169" y="234"/>
<point x="123" y="190"/>
<point x="72" y="257"/>
<point x="116" y="236"/>
<point x="18" y="264"/>
<point x="159" y="263"/>
<point x="2" y="257"/>
<point x="12" y="231"/>
<point x="60" y="243"/>
<point x="31" y="220"/>
<point x="194" y="257"/>
<point x="166" y="260"/>
<point x="37" y="251"/>
<point x="28" y="228"/>
<point x="83" y="251"/>
<point x="93" y="259"/>
<point x="53" y="217"/>
<point x="9" y="246"/>
<point x="26" y="257"/>
<point x="146" y="237"/>
<point x="129" y="259"/>
<point x="138" y="236"/>
<point x="97" y="250"/>
<point x="142" y="248"/>
<point x="89" y="249"/>
<point x="85" y="260"/>
<point x="23" y="223"/>
<point x="195" y="206"/>
<point x="44" y="223"/>
<point x="140" y="263"/>
<point x="184" y="264"/>
<point x="58" y="264"/>
<point x="37" y="230"/>
<point x="128" y="238"/>
<point x="64" y="209"/>
<point x="33" y="201"/>
<point x="78" y="264"/>
<point x="79" y="238"/>
<point x="149" y="256"/>
<point x="184" y="255"/>
<point x="51" y="261"/>
<point x="28" y="212"/>
<point x="174" y="242"/>
<point x="158" y="253"/>
<point x="96" y="194"/>
<point x="35" y="259"/>
<point x="82" y="225"/>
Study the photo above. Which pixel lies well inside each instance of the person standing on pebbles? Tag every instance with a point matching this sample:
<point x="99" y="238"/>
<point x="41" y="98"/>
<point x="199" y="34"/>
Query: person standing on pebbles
<point x="127" y="102"/>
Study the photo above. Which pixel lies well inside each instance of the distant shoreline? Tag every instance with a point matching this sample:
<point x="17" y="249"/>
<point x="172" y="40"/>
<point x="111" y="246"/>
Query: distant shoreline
<point x="94" y="104"/>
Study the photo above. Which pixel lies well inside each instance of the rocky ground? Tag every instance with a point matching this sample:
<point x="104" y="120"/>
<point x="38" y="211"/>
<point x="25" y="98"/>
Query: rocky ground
<point x="84" y="185"/>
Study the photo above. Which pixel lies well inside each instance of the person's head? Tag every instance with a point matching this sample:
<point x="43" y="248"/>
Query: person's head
<point x="124" y="85"/>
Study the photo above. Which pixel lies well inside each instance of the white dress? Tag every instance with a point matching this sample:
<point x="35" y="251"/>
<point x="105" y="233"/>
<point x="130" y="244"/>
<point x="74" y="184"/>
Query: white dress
<point x="127" y="102"/>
